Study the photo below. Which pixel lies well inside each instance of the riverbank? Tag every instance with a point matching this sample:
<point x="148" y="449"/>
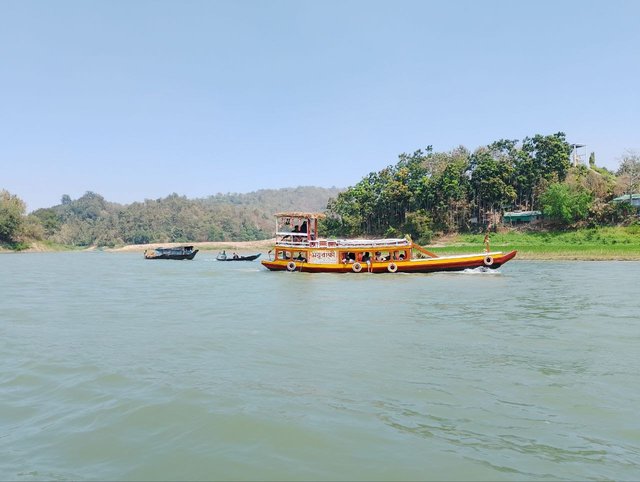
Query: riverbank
<point x="240" y="246"/>
<point x="598" y="244"/>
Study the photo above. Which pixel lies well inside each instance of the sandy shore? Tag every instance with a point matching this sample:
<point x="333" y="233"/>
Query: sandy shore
<point x="240" y="246"/>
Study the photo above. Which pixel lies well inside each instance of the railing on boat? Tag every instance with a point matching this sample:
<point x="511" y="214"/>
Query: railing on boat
<point x="297" y="240"/>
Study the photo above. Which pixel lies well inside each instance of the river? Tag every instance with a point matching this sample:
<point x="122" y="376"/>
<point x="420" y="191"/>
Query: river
<point x="119" y="368"/>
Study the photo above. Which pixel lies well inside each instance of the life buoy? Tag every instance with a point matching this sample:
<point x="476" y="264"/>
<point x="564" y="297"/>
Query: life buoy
<point x="357" y="267"/>
<point x="291" y="266"/>
<point x="392" y="267"/>
<point x="488" y="260"/>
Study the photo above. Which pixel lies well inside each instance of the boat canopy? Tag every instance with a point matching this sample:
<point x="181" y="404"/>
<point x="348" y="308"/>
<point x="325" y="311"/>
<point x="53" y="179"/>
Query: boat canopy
<point x="300" y="214"/>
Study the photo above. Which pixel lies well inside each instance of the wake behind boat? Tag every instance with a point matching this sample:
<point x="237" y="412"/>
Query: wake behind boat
<point x="236" y="257"/>
<point x="178" y="252"/>
<point x="298" y="248"/>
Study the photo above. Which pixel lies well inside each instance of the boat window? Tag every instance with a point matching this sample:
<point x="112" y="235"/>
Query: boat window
<point x="348" y="257"/>
<point x="283" y="254"/>
<point x="381" y="256"/>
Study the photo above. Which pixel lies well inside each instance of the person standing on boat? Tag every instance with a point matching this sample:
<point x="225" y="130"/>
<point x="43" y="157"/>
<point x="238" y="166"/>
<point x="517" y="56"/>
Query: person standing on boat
<point x="296" y="229"/>
<point x="486" y="242"/>
<point x="366" y="258"/>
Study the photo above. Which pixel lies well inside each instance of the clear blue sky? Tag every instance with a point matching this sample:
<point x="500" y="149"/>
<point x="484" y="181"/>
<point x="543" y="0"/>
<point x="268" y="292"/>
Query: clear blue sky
<point x="139" y="99"/>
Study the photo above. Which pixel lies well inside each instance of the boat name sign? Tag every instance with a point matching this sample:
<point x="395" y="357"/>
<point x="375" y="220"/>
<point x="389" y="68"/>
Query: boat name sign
<point x="324" y="257"/>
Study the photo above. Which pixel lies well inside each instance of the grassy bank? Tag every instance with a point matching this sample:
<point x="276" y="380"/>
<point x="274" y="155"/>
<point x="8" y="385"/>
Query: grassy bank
<point x="608" y="243"/>
<point x="37" y="247"/>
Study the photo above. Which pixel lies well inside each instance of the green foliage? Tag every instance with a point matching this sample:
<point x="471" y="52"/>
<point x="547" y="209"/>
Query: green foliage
<point x="418" y="226"/>
<point x="565" y="204"/>
<point x="93" y="221"/>
<point x="12" y="210"/>
<point x="49" y="220"/>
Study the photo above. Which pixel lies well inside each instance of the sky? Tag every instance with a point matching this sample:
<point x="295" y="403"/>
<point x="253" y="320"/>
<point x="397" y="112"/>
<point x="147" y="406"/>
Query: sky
<point x="139" y="99"/>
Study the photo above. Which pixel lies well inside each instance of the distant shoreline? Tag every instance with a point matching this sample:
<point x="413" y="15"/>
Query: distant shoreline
<point x="568" y="253"/>
<point x="264" y="244"/>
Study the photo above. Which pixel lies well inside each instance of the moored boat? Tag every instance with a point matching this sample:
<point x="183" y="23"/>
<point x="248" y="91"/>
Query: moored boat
<point x="298" y="248"/>
<point x="178" y="252"/>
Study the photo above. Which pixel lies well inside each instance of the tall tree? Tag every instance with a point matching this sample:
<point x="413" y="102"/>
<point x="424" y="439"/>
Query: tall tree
<point x="12" y="211"/>
<point x="629" y="172"/>
<point x="544" y="160"/>
<point x="492" y="179"/>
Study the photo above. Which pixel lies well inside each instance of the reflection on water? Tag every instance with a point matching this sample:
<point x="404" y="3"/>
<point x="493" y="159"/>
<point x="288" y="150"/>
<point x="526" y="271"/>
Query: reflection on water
<point x="119" y="368"/>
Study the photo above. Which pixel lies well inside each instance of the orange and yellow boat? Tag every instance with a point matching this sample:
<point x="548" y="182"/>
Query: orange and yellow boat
<point x="298" y="248"/>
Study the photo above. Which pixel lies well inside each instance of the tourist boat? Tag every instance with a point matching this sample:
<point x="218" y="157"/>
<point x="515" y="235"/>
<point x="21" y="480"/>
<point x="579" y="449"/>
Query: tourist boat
<point x="236" y="257"/>
<point x="298" y="248"/>
<point x="178" y="252"/>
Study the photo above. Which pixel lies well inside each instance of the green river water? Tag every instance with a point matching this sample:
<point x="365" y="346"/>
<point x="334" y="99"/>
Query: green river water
<point x="118" y="368"/>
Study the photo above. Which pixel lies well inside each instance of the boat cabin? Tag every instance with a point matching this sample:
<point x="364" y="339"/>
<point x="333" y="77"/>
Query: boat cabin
<point x="297" y="240"/>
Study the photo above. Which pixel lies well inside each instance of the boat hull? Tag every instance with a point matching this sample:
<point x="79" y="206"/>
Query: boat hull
<point x="240" y="258"/>
<point x="170" y="253"/>
<point x="427" y="265"/>
<point x="173" y="256"/>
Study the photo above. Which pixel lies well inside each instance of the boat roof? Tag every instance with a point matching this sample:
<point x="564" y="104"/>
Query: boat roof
<point x="300" y="214"/>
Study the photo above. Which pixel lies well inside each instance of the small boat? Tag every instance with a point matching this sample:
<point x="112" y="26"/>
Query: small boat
<point x="298" y="248"/>
<point x="178" y="252"/>
<point x="235" y="257"/>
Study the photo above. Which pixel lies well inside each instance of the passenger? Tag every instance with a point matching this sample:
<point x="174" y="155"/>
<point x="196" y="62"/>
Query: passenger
<point x="366" y="258"/>
<point x="296" y="239"/>
<point x="401" y="257"/>
<point x="235" y="256"/>
<point x="486" y="242"/>
<point x="379" y="256"/>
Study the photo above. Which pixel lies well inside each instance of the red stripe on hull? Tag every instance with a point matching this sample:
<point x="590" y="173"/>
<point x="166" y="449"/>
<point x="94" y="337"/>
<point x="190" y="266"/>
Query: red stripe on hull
<point x="403" y="267"/>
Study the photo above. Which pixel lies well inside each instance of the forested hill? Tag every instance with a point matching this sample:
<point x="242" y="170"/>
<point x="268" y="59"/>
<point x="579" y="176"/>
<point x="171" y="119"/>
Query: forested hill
<point x="91" y="220"/>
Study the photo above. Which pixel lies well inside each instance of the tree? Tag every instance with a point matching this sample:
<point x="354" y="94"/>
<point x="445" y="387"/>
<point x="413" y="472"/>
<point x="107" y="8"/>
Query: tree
<point x="565" y="204"/>
<point x="629" y="172"/>
<point x="544" y="160"/>
<point x="492" y="181"/>
<point x="12" y="210"/>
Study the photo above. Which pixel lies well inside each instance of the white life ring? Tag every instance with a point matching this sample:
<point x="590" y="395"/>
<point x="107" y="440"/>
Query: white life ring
<point x="488" y="260"/>
<point x="357" y="267"/>
<point x="291" y="266"/>
<point x="392" y="267"/>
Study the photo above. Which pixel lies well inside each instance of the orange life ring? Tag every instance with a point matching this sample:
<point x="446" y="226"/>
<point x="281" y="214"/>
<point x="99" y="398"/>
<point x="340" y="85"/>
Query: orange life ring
<point x="291" y="266"/>
<point x="488" y="260"/>
<point x="392" y="267"/>
<point x="357" y="267"/>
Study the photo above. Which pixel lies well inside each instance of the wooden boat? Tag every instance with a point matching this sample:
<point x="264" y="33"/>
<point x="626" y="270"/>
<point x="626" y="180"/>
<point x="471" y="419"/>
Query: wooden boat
<point x="300" y="249"/>
<point x="178" y="252"/>
<point x="224" y="257"/>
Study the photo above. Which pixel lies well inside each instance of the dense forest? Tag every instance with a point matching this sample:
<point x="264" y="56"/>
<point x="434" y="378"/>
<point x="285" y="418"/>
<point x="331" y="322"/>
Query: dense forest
<point x="423" y="194"/>
<point x="431" y="192"/>
<point x="93" y="221"/>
